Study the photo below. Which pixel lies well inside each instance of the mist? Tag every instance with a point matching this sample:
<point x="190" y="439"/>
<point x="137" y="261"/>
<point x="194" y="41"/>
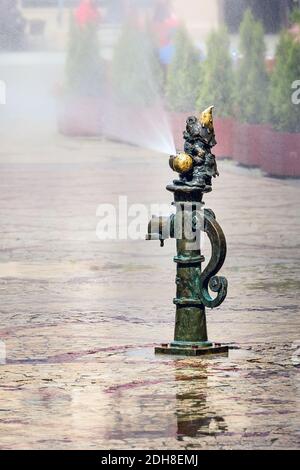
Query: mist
<point x="104" y="70"/>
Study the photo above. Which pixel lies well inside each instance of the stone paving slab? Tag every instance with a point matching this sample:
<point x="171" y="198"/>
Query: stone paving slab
<point x="80" y="317"/>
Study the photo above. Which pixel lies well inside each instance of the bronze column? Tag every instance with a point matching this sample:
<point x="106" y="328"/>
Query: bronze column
<point x="196" y="167"/>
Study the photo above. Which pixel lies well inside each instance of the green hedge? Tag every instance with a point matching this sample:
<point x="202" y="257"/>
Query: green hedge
<point x="217" y="75"/>
<point x="84" y="68"/>
<point x="284" y="114"/>
<point x="136" y="71"/>
<point x="183" y="75"/>
<point x="251" y="88"/>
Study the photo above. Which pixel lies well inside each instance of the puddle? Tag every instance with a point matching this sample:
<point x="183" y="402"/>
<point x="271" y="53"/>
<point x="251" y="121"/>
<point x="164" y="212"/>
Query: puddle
<point x="147" y="354"/>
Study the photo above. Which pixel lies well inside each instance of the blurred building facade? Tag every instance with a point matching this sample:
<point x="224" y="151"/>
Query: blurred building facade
<point x="47" y="21"/>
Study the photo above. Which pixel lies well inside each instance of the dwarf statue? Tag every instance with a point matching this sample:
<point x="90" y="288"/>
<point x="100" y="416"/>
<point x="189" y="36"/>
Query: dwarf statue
<point x="199" y="139"/>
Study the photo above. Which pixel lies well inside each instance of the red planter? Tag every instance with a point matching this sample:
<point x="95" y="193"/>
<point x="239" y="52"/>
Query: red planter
<point x="249" y="140"/>
<point x="224" y="128"/>
<point x="240" y="142"/>
<point x="80" y="117"/>
<point x="277" y="153"/>
<point x="282" y="154"/>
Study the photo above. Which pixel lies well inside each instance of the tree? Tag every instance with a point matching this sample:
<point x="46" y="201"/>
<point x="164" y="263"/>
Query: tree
<point x="12" y="26"/>
<point x="84" y="69"/>
<point x="251" y="80"/>
<point x="217" y="75"/>
<point x="285" y="112"/>
<point x="184" y="74"/>
<point x="295" y="16"/>
<point x="136" y="71"/>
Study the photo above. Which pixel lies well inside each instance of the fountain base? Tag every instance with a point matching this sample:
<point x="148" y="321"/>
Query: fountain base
<point x="191" y="350"/>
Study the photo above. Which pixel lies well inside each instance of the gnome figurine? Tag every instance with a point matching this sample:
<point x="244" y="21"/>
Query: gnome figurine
<point x="199" y="139"/>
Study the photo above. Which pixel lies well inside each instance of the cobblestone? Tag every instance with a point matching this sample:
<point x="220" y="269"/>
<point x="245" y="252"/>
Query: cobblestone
<point x="79" y="317"/>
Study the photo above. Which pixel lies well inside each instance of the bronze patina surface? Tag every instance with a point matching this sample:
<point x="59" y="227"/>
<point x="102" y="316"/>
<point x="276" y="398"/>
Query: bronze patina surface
<point x="192" y="284"/>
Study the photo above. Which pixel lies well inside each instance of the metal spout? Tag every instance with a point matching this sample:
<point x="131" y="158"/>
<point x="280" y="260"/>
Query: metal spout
<point x="161" y="228"/>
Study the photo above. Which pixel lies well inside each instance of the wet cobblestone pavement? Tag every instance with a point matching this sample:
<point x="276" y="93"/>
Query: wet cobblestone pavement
<point x="79" y="317"/>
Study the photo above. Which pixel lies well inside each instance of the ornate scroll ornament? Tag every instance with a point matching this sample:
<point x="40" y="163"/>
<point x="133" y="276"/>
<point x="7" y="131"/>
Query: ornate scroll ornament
<point x="208" y="279"/>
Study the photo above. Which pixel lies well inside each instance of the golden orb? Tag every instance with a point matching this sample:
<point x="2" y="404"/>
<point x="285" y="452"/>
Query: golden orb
<point x="181" y="163"/>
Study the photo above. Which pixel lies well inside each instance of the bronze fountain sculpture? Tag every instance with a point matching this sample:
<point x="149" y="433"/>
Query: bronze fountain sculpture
<point x="196" y="167"/>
